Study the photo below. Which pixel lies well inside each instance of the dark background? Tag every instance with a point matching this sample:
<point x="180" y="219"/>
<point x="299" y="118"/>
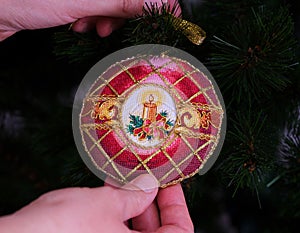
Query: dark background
<point x="37" y="152"/>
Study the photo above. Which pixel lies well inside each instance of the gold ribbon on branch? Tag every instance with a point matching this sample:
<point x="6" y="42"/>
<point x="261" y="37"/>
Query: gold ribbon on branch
<point x="192" y="31"/>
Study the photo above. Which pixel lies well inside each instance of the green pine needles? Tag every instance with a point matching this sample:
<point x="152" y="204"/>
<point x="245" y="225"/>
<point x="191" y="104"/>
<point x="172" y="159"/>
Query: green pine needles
<point x="251" y="58"/>
<point x="78" y="47"/>
<point x="247" y="161"/>
<point x="154" y="26"/>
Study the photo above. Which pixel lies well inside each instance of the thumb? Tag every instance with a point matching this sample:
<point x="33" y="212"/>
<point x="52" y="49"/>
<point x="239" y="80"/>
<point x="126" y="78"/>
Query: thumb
<point x="110" y="8"/>
<point x="134" y="198"/>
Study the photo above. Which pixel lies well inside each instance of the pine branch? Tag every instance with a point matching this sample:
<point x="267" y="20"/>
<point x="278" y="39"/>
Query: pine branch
<point x="86" y="47"/>
<point x="248" y="162"/>
<point x="252" y="57"/>
<point x="215" y="15"/>
<point x="154" y="26"/>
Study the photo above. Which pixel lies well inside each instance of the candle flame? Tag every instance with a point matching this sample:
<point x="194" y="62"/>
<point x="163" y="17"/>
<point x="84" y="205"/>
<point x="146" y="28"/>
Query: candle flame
<point x="151" y="98"/>
<point x="157" y="97"/>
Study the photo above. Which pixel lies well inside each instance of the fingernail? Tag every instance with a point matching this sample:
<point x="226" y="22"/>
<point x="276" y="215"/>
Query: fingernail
<point x="146" y="183"/>
<point x="80" y="26"/>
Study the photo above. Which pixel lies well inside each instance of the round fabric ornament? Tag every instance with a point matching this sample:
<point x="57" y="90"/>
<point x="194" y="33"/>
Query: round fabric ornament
<point x="149" y="109"/>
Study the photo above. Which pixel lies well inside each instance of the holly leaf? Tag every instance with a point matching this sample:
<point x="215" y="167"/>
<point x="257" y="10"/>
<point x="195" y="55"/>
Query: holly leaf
<point x="149" y="137"/>
<point x="164" y="113"/>
<point x="130" y="129"/>
<point x="136" y="121"/>
<point x="170" y="123"/>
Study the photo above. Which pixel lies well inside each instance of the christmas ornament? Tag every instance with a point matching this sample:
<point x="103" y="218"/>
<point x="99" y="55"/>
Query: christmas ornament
<point x="149" y="109"/>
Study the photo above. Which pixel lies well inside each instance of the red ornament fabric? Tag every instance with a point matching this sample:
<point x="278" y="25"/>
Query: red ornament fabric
<point x="151" y="114"/>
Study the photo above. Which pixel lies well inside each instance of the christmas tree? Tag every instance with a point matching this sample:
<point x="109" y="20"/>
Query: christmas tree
<point x="251" y="48"/>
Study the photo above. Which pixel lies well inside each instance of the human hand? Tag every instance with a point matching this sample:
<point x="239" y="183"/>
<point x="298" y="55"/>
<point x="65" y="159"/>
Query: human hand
<point x="105" y="15"/>
<point x="104" y="209"/>
<point x="168" y="214"/>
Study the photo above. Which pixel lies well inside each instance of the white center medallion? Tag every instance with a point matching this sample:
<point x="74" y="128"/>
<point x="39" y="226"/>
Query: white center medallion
<point x="148" y="115"/>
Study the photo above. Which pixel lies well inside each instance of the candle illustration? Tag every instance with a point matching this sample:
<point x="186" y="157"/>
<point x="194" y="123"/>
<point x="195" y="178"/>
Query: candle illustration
<point x="150" y="109"/>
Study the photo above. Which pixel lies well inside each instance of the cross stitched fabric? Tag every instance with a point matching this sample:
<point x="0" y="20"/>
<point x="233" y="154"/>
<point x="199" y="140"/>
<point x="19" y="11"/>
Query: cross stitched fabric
<point x="154" y="114"/>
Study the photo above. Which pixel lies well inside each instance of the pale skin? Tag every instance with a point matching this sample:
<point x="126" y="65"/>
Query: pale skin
<point x="105" y="209"/>
<point x="104" y="15"/>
